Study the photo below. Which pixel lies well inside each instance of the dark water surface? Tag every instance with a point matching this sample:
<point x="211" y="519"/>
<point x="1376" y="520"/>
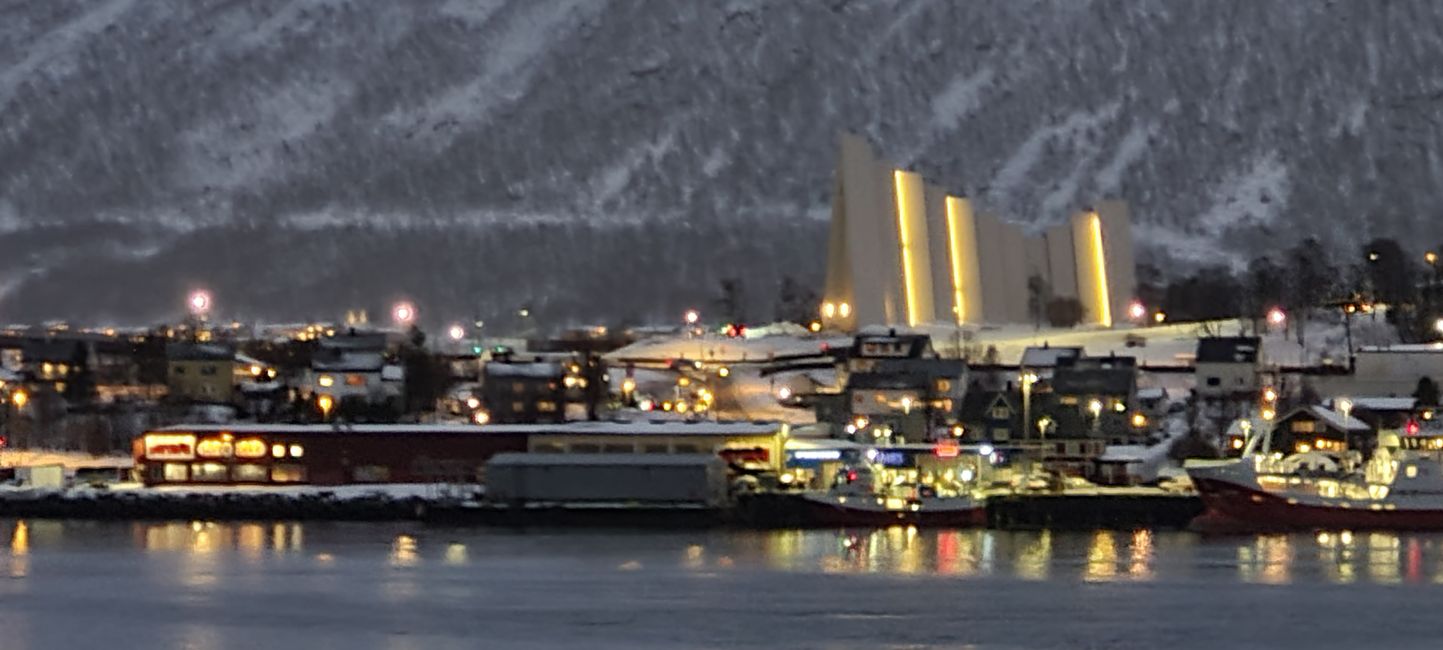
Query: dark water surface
<point x="225" y="586"/>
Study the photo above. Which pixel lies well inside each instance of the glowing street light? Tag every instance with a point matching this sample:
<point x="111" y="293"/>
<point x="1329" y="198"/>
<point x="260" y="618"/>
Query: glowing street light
<point x="404" y="313"/>
<point x="20" y="398"/>
<point x="481" y="417"/>
<point x="1438" y="325"/>
<point x="1028" y="379"/>
<point x="199" y="302"/>
<point x="1431" y="258"/>
<point x="1136" y="310"/>
<point x="692" y="316"/>
<point x="1276" y="317"/>
<point x="1345" y="406"/>
<point x="1270" y="395"/>
<point x="1159" y="318"/>
<point x="326" y="403"/>
<point x="456" y="332"/>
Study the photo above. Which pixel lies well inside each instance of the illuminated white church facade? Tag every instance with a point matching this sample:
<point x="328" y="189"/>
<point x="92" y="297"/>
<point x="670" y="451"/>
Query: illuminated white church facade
<point x="904" y="252"/>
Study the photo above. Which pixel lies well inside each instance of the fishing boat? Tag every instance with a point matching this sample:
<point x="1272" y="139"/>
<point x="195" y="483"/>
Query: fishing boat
<point x="1398" y="487"/>
<point x="859" y="497"/>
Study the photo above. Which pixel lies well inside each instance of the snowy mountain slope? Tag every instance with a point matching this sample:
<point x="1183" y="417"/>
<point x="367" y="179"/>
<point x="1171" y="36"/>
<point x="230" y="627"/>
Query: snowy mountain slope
<point x="478" y="156"/>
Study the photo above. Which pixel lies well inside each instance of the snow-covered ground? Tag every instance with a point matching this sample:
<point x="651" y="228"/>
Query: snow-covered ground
<point x="1161" y="345"/>
<point x="71" y="460"/>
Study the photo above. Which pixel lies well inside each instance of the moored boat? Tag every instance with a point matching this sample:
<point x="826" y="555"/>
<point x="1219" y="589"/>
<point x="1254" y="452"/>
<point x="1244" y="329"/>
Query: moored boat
<point x="1399" y="487"/>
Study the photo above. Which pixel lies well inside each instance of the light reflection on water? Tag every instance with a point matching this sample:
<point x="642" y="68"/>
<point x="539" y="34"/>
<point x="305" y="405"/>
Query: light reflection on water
<point x="203" y="553"/>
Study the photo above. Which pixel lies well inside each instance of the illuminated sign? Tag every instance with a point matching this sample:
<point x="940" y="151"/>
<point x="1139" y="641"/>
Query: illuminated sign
<point x="250" y="448"/>
<point x="214" y="448"/>
<point x="170" y="446"/>
<point x="890" y="458"/>
<point x="817" y="454"/>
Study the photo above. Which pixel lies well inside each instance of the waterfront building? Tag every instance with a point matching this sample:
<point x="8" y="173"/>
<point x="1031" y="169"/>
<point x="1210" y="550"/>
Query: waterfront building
<point x="422" y="453"/>
<point x="902" y="251"/>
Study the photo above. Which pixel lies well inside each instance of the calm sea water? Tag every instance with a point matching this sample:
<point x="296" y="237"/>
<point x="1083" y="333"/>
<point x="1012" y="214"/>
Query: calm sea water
<point x="225" y="586"/>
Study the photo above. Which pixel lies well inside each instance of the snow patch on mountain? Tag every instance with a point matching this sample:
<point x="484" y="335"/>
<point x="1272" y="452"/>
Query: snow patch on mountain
<point x="1129" y="151"/>
<point x="1242" y="203"/>
<point x="511" y="62"/>
<point x="1069" y="133"/>
<point x="960" y="98"/>
<point x="51" y="53"/>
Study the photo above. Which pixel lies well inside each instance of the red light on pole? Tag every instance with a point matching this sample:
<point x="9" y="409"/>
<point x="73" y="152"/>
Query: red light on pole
<point x="1136" y="310"/>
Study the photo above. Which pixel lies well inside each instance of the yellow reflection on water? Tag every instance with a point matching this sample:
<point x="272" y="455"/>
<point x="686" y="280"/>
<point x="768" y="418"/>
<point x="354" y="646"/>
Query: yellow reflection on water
<point x="1140" y="566"/>
<point x="1035" y="560"/>
<point x="20" y="539"/>
<point x="20" y="550"/>
<point x="1384" y="556"/>
<point x="1268" y="560"/>
<point x="1101" y="557"/>
<point x="695" y="557"/>
<point x="456" y="554"/>
<point x="403" y="552"/>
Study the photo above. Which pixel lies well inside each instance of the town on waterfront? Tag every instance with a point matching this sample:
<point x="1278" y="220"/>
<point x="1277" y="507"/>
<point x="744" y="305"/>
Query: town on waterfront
<point x="742" y="323"/>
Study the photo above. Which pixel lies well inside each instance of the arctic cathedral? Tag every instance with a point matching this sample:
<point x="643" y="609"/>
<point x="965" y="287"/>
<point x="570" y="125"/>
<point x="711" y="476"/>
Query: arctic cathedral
<point x="904" y="252"/>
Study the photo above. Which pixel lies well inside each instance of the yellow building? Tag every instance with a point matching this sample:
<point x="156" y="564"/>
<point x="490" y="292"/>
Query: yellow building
<point x="201" y="372"/>
<point x="904" y="252"/>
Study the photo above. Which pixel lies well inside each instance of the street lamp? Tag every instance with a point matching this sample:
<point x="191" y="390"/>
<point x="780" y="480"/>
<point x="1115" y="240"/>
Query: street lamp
<point x="1345" y="406"/>
<point x="1438" y="325"/>
<point x="1136" y="311"/>
<point x="456" y="332"/>
<point x="1431" y="258"/>
<point x="326" y="402"/>
<point x="199" y="302"/>
<point x="692" y="316"/>
<point x="1276" y="317"/>
<point x="404" y="313"/>
<point x="20" y="398"/>
<point x="1028" y="379"/>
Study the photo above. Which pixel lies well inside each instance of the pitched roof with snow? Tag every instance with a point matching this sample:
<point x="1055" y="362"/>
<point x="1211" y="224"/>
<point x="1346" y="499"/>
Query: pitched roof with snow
<point x="1048" y="356"/>
<point x="1228" y="349"/>
<point x="1330" y="418"/>
<point x="1377" y="404"/>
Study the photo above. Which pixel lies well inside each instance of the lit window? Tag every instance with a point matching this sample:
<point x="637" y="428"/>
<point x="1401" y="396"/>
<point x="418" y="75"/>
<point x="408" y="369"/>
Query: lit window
<point x="1411" y="471"/>
<point x="175" y="472"/>
<point x="288" y="473"/>
<point x="326" y="381"/>
<point x="278" y="450"/>
<point x="208" y="472"/>
<point x="250" y="473"/>
<point x="354" y="379"/>
<point x="297" y="451"/>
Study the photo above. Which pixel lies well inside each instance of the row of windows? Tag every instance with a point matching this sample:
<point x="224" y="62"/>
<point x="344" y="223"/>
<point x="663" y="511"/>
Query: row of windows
<point x="620" y="448"/>
<point x="222" y="473"/>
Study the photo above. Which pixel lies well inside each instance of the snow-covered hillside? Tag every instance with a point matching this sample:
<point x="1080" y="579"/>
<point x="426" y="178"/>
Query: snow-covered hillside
<point x="307" y="156"/>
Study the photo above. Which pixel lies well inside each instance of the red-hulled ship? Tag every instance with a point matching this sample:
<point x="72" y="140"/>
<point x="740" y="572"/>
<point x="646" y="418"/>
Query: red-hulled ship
<point x="1400" y="488"/>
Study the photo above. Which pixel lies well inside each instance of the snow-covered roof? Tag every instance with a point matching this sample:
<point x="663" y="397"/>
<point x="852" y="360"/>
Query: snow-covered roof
<point x="1376" y="403"/>
<point x="1404" y="347"/>
<point x="626" y="460"/>
<point x="634" y="427"/>
<point x="1047" y="356"/>
<point x="349" y="362"/>
<point x="1123" y="454"/>
<point x="539" y="369"/>
<point x="1334" y="419"/>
